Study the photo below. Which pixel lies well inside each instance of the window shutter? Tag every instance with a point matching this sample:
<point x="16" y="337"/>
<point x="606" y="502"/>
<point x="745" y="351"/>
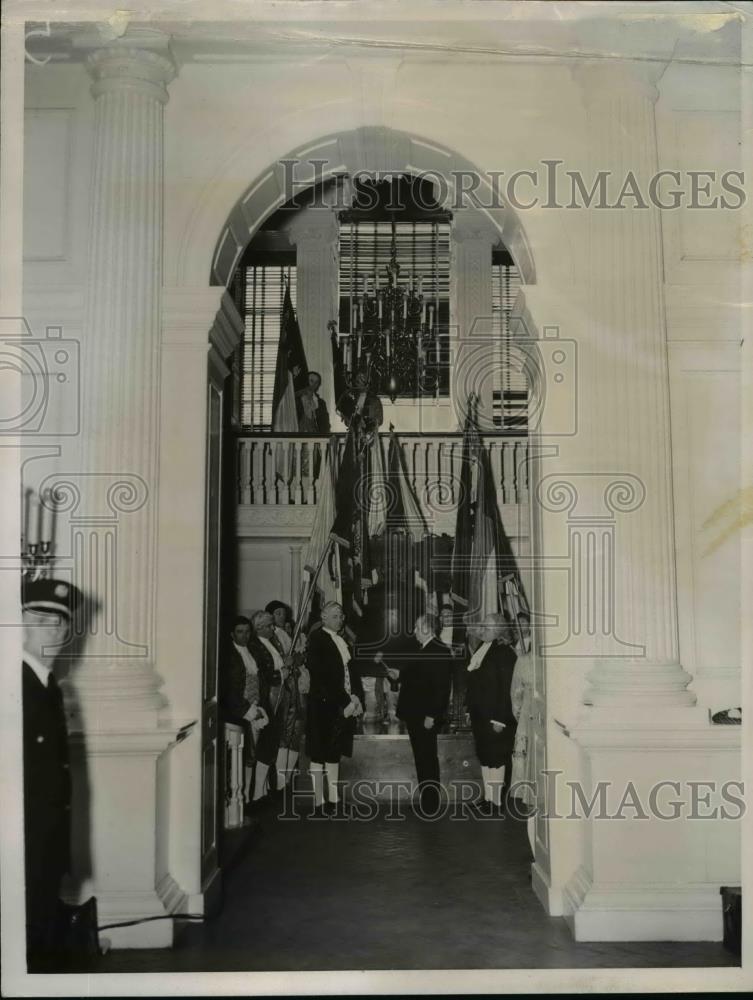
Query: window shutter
<point x="510" y="409"/>
<point x="264" y="294"/>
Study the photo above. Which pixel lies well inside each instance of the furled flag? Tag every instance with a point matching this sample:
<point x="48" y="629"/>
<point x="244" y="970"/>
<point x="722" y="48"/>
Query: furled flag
<point x="484" y="570"/>
<point x="404" y="512"/>
<point x="291" y="373"/>
<point x="327" y="582"/>
<point x="350" y="529"/>
<point x="461" y="552"/>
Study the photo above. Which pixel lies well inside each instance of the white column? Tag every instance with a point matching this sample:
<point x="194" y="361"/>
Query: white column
<point x="315" y="236"/>
<point x="475" y="359"/>
<point x="118" y="727"/>
<point x="625" y="417"/>
<point x="643" y="876"/>
<point x="120" y="382"/>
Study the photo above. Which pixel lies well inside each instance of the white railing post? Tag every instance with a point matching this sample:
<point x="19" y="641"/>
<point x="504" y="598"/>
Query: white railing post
<point x="287" y="470"/>
<point x="233" y="748"/>
<point x="245" y="487"/>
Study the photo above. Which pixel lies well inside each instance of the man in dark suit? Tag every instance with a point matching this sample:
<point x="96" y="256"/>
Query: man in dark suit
<point x="48" y="607"/>
<point x="334" y="704"/>
<point x="422" y="705"/>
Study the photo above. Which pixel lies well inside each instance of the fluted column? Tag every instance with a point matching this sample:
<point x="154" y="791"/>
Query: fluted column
<point x="475" y="356"/>
<point x="120" y="380"/>
<point x="625" y="396"/>
<point x="315" y="237"/>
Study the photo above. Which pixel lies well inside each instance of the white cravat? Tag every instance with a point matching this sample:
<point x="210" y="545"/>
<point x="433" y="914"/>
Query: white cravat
<point x="342" y="647"/>
<point x="445" y="635"/>
<point x="284" y="639"/>
<point x="478" y="657"/>
<point x="248" y="661"/>
<point x="275" y="653"/>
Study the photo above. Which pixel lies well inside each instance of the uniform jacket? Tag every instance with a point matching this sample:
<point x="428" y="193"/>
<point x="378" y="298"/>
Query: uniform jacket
<point x="47" y="783"/>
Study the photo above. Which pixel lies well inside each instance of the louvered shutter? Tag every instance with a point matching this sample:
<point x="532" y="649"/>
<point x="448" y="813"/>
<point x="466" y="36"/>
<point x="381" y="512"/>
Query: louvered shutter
<point x="264" y="293"/>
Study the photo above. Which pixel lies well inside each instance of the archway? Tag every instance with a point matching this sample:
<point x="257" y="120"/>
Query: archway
<point x="370" y="150"/>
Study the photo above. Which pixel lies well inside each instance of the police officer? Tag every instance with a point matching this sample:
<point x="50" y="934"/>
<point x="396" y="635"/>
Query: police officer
<point x="48" y="609"/>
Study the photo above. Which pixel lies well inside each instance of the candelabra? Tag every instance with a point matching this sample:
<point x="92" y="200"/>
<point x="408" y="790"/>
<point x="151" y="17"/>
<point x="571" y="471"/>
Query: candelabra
<point x="37" y="534"/>
<point x="394" y="344"/>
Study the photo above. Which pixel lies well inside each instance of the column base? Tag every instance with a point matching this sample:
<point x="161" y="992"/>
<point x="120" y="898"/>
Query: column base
<point x="642" y="912"/>
<point x="622" y="682"/>
<point x="114" y="816"/>
<point x="121" y="907"/>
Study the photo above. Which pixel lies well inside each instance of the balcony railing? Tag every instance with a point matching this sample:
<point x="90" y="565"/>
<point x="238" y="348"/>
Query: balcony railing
<point x="275" y="469"/>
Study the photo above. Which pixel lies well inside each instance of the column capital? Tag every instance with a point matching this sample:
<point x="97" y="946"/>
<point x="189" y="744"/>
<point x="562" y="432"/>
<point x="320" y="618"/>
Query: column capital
<point x="316" y="228"/>
<point x="136" y="62"/>
<point x="604" y="80"/>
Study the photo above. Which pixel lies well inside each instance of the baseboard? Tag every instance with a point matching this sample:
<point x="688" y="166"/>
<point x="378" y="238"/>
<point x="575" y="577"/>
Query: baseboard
<point x="174" y="899"/>
<point x="124" y="907"/>
<point x="642" y="912"/>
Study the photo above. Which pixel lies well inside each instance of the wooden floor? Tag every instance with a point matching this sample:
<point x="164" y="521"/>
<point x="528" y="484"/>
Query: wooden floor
<point x="391" y="894"/>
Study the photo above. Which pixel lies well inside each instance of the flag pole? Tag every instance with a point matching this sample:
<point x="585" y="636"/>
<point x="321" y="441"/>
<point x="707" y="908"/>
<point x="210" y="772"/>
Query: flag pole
<point x="309" y="594"/>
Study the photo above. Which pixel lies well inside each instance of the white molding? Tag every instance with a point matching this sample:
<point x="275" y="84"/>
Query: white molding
<point x="671" y="730"/>
<point x="173" y="897"/>
<point x="122" y="906"/>
<point x="649" y="912"/>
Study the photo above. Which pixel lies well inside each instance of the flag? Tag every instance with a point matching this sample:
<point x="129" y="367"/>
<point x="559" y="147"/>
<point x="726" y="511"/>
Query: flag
<point x="291" y="373"/>
<point x="327" y="583"/>
<point x="404" y="513"/>
<point x="461" y="551"/>
<point x="407" y="555"/>
<point x="484" y="570"/>
<point x="337" y="364"/>
<point x="350" y="528"/>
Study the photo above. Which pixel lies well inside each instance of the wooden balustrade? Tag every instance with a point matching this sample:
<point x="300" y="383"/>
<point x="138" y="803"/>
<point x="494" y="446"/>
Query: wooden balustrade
<point x="278" y="469"/>
<point x="233" y="752"/>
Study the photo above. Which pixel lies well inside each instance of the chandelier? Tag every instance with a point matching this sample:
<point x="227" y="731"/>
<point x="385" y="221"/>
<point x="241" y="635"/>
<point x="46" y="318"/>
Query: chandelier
<point x="394" y="345"/>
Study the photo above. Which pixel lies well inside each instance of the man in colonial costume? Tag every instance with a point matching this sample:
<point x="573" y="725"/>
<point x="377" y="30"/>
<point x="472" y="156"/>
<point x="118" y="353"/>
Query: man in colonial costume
<point x="332" y="707"/>
<point x="242" y="694"/>
<point x="292" y="708"/>
<point x="489" y="674"/>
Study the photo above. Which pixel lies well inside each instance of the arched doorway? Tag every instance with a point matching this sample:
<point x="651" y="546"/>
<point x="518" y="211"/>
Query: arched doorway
<point x="363" y="150"/>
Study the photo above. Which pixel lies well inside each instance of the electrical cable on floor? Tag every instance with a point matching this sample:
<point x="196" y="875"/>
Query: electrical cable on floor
<point x="162" y="916"/>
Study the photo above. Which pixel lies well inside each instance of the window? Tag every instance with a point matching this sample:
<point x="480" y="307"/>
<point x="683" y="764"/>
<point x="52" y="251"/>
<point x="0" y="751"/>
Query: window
<point x="262" y="290"/>
<point x="510" y="397"/>
<point x="422" y="242"/>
